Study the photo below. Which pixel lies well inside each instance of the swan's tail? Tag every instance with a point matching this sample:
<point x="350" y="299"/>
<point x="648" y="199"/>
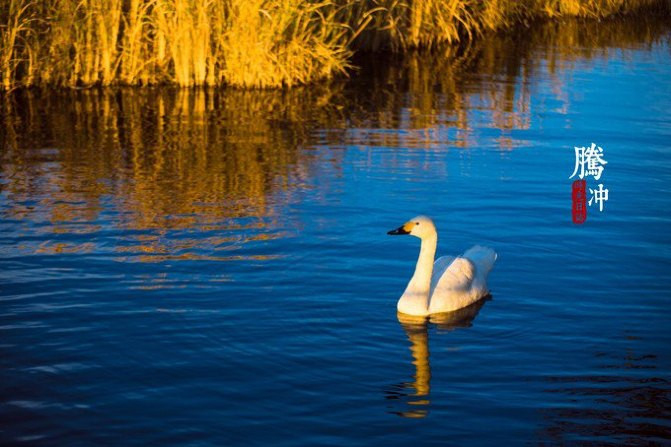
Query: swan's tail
<point x="482" y="257"/>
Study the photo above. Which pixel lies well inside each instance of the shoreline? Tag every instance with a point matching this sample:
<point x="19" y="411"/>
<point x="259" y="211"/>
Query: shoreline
<point x="183" y="43"/>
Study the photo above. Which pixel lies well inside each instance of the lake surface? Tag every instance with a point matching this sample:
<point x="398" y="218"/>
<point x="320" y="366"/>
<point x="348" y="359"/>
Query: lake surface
<point x="211" y="267"/>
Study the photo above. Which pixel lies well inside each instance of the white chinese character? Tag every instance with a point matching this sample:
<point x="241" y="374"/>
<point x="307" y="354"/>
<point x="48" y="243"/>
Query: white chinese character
<point x="598" y="196"/>
<point x="589" y="160"/>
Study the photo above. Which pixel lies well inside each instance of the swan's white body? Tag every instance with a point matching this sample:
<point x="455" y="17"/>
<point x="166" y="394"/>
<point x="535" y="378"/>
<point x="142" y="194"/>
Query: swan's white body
<point x="447" y="284"/>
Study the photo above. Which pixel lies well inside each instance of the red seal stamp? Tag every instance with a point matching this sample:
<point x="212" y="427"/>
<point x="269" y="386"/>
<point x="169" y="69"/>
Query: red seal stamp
<point x="579" y="196"/>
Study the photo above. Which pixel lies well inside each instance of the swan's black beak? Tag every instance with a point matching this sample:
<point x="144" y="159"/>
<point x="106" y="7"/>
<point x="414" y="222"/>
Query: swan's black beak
<point x="399" y="231"/>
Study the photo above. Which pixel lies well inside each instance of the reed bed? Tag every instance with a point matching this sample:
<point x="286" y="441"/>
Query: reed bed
<point x="245" y="43"/>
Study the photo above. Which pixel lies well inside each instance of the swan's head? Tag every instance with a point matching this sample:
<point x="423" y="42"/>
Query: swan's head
<point x="420" y="226"/>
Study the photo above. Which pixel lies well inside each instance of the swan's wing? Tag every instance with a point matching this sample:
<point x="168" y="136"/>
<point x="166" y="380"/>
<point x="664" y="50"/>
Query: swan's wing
<point x="439" y="267"/>
<point x="452" y="274"/>
<point x="482" y="257"/>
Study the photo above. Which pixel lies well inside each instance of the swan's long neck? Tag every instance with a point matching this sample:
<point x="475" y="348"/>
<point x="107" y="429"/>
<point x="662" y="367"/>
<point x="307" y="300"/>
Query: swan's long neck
<point x="415" y="299"/>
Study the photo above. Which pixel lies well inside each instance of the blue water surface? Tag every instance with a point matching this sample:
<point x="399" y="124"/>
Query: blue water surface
<point x="211" y="267"/>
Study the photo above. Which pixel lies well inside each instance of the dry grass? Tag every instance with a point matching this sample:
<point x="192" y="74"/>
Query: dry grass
<point x="311" y="43"/>
<point x="15" y="39"/>
<point x="246" y="43"/>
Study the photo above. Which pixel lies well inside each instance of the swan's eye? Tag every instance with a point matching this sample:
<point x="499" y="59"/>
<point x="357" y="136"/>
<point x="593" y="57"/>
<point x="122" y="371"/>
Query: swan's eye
<point x="416" y="223"/>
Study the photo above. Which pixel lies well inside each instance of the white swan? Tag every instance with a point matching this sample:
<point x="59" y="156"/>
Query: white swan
<point x="448" y="284"/>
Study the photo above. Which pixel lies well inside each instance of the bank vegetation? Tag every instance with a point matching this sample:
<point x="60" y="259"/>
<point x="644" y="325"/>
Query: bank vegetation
<point x="245" y="43"/>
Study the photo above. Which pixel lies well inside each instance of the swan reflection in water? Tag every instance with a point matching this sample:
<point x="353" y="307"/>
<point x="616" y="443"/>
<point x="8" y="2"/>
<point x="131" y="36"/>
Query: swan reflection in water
<point x="416" y="393"/>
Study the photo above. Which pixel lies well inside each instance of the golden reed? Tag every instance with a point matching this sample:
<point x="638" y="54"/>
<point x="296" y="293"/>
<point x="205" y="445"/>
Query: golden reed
<point x="245" y="43"/>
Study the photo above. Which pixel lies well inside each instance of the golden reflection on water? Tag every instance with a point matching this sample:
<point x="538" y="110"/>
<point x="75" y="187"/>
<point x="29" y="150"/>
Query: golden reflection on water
<point x="161" y="159"/>
<point x="490" y="84"/>
<point x="416" y="394"/>
<point x="224" y="159"/>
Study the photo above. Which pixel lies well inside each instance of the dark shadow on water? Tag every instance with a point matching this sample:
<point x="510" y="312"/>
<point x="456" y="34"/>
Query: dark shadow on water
<point x="415" y="395"/>
<point x="616" y="407"/>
